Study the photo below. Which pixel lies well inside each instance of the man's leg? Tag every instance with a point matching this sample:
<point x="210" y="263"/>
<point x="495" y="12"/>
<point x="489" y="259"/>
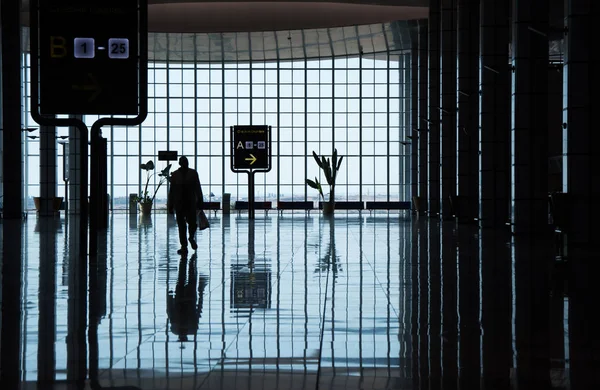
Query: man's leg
<point x="193" y="225"/>
<point x="181" y="225"/>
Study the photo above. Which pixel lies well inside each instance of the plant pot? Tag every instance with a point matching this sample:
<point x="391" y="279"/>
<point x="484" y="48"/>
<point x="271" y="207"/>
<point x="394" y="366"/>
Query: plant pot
<point x="145" y="208"/>
<point x="328" y="208"/>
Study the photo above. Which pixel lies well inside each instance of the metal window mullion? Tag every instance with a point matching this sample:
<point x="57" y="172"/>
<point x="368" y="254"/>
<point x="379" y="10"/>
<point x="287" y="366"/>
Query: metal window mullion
<point x="196" y="111"/>
<point x="168" y="68"/>
<point x="401" y="130"/>
<point x="24" y="140"/>
<point x="305" y="117"/>
<point x="112" y="165"/>
<point x="388" y="125"/>
<point x="279" y="127"/>
<point x="360" y="126"/>
<point x="223" y="147"/>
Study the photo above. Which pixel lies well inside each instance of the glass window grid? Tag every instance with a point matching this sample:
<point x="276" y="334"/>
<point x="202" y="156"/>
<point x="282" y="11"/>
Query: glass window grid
<point x="360" y="97"/>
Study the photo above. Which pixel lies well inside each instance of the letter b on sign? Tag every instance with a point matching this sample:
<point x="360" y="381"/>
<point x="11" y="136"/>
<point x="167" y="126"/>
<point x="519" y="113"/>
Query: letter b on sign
<point x="58" y="47"/>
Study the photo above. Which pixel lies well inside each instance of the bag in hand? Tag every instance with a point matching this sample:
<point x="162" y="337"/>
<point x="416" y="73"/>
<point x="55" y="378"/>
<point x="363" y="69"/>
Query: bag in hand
<point x="203" y="221"/>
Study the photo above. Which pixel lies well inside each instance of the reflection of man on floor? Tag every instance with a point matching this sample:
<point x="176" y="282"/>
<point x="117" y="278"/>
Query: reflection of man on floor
<point x="184" y="307"/>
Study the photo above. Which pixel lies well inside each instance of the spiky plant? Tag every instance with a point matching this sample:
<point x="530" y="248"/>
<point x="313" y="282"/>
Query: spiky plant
<point x="330" y="169"/>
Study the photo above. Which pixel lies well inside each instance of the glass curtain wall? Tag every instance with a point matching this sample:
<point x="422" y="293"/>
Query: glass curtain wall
<point x="356" y="104"/>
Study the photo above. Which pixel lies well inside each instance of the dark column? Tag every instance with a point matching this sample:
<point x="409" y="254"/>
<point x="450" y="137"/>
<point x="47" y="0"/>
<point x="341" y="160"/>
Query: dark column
<point x="47" y="170"/>
<point x="413" y="133"/>
<point x="414" y="303"/>
<point x="74" y="167"/>
<point x="422" y="125"/>
<point x="584" y="322"/>
<point x="449" y="334"/>
<point x="468" y="307"/>
<point x="435" y="304"/>
<point x="10" y="21"/>
<point x="10" y="329"/>
<point x="468" y="110"/>
<point x="555" y="107"/>
<point x="496" y="304"/>
<point x="47" y="302"/>
<point x="424" y="360"/>
<point x="533" y="258"/>
<point x="582" y="142"/>
<point x="406" y="103"/>
<point x="530" y="116"/>
<point x="434" y="104"/>
<point x="495" y="114"/>
<point x="448" y="104"/>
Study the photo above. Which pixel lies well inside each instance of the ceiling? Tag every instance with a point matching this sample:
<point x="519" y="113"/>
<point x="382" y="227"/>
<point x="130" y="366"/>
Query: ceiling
<point x="200" y="16"/>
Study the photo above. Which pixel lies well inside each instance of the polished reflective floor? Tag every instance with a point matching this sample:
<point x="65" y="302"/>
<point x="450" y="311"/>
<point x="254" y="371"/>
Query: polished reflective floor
<point x="294" y="301"/>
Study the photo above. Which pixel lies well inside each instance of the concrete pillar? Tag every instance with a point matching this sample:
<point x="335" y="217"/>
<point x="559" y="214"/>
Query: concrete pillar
<point x="494" y="115"/>
<point x="530" y="115"/>
<point x="413" y="133"/>
<point x="422" y="125"/>
<point x="581" y="142"/>
<point x="448" y="105"/>
<point x="468" y="109"/>
<point x="47" y="170"/>
<point x="434" y="110"/>
<point x="74" y="168"/>
<point x="11" y="110"/>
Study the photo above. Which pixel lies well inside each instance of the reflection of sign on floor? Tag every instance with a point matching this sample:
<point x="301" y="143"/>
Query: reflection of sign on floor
<point x="250" y="287"/>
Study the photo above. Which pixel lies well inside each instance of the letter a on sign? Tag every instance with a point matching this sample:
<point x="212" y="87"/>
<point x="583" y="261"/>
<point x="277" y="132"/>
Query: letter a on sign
<point x="240" y="145"/>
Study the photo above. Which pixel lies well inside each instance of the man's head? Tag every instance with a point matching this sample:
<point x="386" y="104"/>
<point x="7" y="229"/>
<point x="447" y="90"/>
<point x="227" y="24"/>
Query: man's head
<point x="183" y="162"/>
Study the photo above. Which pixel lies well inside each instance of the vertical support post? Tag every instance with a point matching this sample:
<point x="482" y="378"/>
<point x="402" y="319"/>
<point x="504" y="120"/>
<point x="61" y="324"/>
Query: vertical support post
<point x="47" y="170"/>
<point x="251" y="194"/>
<point x="495" y="115"/>
<point x="468" y="110"/>
<point x="12" y="148"/>
<point x="94" y="188"/>
<point x="580" y="142"/>
<point x="530" y="115"/>
<point x="434" y="107"/>
<point x="422" y="124"/>
<point x="414" y="123"/>
<point x="448" y="106"/>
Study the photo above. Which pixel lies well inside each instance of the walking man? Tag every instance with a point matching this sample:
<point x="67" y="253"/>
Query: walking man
<point x="185" y="197"/>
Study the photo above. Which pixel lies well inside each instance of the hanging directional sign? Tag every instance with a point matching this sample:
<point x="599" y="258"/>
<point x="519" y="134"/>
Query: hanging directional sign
<point x="89" y="61"/>
<point x="250" y="148"/>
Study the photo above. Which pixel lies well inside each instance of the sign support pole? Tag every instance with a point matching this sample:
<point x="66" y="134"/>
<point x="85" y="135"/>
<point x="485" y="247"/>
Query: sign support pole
<point x="251" y="194"/>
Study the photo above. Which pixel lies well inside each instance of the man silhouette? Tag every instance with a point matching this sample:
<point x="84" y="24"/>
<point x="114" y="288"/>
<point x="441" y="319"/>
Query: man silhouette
<point x="185" y="197"/>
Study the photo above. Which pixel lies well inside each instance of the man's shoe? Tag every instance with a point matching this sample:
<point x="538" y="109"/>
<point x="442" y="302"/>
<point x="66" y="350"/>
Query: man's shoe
<point x="193" y="243"/>
<point x="182" y="251"/>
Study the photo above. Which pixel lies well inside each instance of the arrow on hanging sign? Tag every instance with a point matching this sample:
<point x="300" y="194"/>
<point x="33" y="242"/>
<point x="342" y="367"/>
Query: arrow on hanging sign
<point x="252" y="159"/>
<point x="90" y="86"/>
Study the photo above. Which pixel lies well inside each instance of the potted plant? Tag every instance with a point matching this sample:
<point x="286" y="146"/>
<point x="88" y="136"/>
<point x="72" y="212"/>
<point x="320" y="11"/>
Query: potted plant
<point x="145" y="201"/>
<point x="330" y="169"/>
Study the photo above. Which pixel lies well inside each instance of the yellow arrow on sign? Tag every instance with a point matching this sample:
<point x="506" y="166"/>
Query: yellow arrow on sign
<point x="91" y="86"/>
<point x="252" y="159"/>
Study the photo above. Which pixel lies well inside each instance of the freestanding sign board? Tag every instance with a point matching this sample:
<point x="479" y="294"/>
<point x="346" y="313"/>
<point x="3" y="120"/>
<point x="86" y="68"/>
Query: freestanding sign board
<point x="251" y="153"/>
<point x="250" y="148"/>
<point x="89" y="57"/>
